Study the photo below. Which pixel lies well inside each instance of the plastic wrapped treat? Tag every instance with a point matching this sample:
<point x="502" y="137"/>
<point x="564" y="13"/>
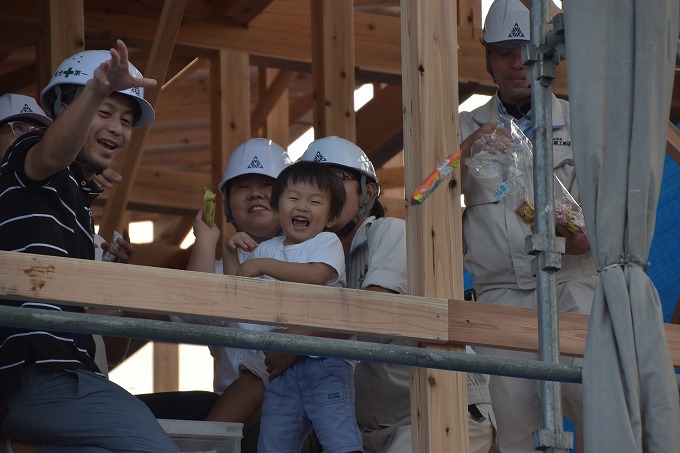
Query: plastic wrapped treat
<point x="503" y="163"/>
<point x="443" y="171"/>
<point x="113" y="245"/>
<point x="209" y="206"/>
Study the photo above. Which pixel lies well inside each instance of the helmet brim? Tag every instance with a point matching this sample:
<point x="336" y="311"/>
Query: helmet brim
<point x="42" y="119"/>
<point x="147" y="114"/>
<point x="511" y="44"/>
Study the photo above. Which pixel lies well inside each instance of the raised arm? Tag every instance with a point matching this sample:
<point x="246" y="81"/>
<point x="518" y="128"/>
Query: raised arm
<point x="66" y="136"/>
<point x="202" y="258"/>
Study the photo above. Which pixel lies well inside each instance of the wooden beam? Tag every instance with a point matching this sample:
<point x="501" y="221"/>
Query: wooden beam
<point x="379" y="121"/>
<point x="390" y="178"/>
<point x="165" y="367"/>
<point x="239" y="13"/>
<point x="171" y="230"/>
<point x="333" y="68"/>
<point x="673" y="143"/>
<point x="64" y="22"/>
<point x="161" y="52"/>
<point x="269" y="98"/>
<point x="167" y="291"/>
<point x="19" y="79"/>
<point x="278" y="121"/>
<point x="434" y="244"/>
<point x="229" y="119"/>
<point x="481" y="324"/>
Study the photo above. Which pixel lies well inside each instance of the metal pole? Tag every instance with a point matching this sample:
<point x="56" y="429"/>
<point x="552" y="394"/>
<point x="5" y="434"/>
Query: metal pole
<point x="30" y="318"/>
<point x="543" y="243"/>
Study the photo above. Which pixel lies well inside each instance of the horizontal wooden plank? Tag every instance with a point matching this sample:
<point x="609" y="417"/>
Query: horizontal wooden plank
<point x="169" y="291"/>
<point x="481" y="324"/>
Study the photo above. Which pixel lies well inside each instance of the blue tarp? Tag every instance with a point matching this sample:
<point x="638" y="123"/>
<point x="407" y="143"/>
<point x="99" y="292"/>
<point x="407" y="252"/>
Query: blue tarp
<point x="664" y="255"/>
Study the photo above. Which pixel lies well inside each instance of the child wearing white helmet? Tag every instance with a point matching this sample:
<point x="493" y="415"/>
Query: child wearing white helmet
<point x="52" y="391"/>
<point x="494" y="237"/>
<point x="19" y="115"/>
<point x="375" y="260"/>
<point x="240" y="375"/>
<point x="342" y="153"/>
<point x="308" y="198"/>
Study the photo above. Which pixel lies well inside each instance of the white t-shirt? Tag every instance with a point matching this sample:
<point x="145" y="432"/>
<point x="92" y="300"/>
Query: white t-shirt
<point x="324" y="248"/>
<point x="227" y="360"/>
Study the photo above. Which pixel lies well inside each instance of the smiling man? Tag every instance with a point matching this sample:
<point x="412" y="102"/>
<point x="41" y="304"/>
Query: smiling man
<point x="494" y="236"/>
<point x="46" y="190"/>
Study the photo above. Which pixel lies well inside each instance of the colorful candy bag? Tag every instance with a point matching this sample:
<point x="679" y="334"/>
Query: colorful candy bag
<point x="503" y="162"/>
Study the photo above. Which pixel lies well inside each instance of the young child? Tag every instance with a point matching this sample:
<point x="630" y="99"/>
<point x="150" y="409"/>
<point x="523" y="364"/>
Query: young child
<point x="313" y="392"/>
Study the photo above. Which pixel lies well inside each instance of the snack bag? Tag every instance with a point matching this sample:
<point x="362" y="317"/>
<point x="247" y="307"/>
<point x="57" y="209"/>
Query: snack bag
<point x="503" y="162"/>
<point x="113" y="245"/>
<point x="209" y="206"/>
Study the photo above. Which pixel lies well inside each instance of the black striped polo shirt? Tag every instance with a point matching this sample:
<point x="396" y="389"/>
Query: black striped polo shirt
<point x="49" y="217"/>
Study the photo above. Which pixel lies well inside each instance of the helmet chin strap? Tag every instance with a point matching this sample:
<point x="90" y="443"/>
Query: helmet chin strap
<point x="365" y="207"/>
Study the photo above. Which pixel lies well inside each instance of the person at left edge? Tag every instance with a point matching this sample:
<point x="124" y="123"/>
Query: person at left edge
<point x="46" y="190"/>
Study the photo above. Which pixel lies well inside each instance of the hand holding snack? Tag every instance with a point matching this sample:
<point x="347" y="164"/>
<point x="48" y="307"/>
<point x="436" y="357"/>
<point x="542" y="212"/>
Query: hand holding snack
<point x="209" y="206"/>
<point x="503" y="162"/>
<point x="113" y="245"/>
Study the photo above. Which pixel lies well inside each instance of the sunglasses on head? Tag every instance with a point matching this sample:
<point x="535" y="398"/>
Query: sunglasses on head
<point x="20" y="128"/>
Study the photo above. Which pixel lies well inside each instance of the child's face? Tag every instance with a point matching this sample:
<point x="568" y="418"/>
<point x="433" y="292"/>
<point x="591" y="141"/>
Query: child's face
<point x="249" y="202"/>
<point x="303" y="212"/>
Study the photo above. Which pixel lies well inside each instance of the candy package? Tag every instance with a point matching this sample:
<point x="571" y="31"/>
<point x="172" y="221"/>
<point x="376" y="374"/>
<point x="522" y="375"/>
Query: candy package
<point x="503" y="162"/>
<point x="208" y="206"/>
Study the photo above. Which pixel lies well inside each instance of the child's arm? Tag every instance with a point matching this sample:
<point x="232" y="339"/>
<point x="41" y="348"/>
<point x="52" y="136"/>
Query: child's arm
<point x="202" y="257"/>
<point x="230" y="261"/>
<point x="314" y="273"/>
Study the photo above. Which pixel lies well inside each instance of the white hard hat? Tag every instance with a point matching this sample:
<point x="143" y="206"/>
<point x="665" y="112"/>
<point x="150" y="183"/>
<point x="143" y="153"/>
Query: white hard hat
<point x="506" y="24"/>
<point x="79" y="68"/>
<point x="259" y="156"/>
<point x="20" y="106"/>
<point x="340" y="152"/>
<point x="343" y="153"/>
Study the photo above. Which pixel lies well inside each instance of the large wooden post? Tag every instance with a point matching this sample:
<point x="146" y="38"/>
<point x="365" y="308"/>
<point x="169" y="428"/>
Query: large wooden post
<point x="64" y="23"/>
<point x="434" y="244"/>
<point x="333" y="68"/>
<point x="229" y="118"/>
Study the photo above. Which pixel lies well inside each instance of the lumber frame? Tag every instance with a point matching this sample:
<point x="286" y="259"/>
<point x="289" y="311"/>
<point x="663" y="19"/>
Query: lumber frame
<point x="277" y="125"/>
<point x="333" y="68"/>
<point x="64" y="22"/>
<point x="149" y="289"/>
<point x="229" y="120"/>
<point x="434" y="243"/>
<point x="159" y="60"/>
<point x="169" y="291"/>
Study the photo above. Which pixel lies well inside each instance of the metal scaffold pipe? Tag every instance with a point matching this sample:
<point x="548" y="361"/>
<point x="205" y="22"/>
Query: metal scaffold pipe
<point x="167" y="331"/>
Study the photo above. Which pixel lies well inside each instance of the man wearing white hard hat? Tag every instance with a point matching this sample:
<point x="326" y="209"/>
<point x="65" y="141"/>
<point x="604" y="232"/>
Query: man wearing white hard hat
<point x="375" y="260"/>
<point x="52" y="391"/>
<point x="494" y="235"/>
<point x="19" y="115"/>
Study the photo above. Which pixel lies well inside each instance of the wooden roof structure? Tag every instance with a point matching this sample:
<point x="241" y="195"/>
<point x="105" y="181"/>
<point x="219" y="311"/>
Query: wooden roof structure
<point x="190" y="44"/>
<point x="234" y="69"/>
